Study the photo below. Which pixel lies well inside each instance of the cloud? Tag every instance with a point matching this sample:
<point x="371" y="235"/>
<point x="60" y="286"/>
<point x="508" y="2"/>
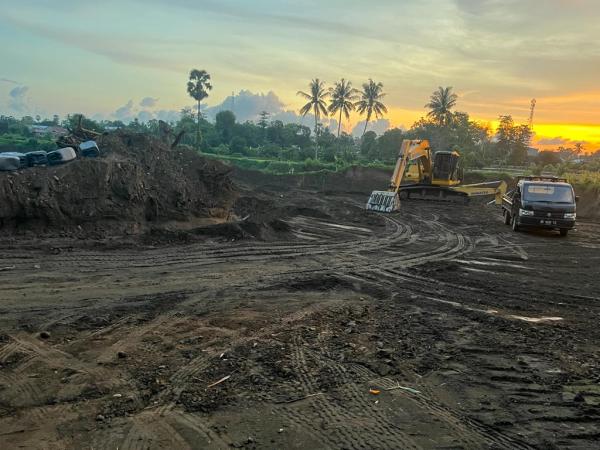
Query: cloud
<point x="17" y="99"/>
<point x="137" y="52"/>
<point x="128" y="112"/>
<point x="247" y="105"/>
<point x="168" y="115"/>
<point x="125" y="112"/>
<point x="290" y="17"/>
<point x="148" y="102"/>
<point x="379" y="126"/>
<point x="145" y="116"/>
<point x="552" y="141"/>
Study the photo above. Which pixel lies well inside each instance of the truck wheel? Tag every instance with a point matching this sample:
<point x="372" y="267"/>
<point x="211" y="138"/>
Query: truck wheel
<point x="515" y="225"/>
<point x="564" y="231"/>
<point x="506" y="217"/>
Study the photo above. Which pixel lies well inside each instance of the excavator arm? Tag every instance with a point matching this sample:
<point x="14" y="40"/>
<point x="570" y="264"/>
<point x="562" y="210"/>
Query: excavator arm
<point x="410" y="151"/>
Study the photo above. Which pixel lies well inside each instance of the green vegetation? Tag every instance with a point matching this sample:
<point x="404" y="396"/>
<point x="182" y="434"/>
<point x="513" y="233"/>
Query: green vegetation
<point x="198" y="87"/>
<point x="371" y="102"/>
<point x="316" y="101"/>
<point x="278" y="167"/>
<point x="343" y="96"/>
<point x="440" y="105"/>
<point x="584" y="178"/>
<point x="17" y="143"/>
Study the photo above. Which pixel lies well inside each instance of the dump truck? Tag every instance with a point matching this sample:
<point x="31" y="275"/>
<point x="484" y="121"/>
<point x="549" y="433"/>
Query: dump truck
<point x="541" y="202"/>
<point x="420" y="173"/>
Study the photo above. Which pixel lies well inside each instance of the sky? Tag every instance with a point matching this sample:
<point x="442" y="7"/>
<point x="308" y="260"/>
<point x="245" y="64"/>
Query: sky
<point x="119" y="59"/>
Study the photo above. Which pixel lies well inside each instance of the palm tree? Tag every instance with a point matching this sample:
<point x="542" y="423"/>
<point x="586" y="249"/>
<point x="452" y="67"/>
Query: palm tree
<point x="370" y="101"/>
<point x="343" y="96"/>
<point x="316" y="103"/>
<point x="440" y="105"/>
<point x="198" y="87"/>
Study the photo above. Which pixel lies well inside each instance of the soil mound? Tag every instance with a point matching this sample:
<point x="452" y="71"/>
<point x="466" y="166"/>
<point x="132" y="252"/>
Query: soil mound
<point x="138" y="183"/>
<point x="588" y="206"/>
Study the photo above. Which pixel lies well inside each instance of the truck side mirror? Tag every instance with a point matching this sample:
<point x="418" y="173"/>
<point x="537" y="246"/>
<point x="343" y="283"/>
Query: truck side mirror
<point x="576" y="198"/>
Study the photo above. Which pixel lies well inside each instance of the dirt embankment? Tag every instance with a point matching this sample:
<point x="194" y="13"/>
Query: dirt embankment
<point x="588" y="206"/>
<point x="354" y="180"/>
<point x="137" y="184"/>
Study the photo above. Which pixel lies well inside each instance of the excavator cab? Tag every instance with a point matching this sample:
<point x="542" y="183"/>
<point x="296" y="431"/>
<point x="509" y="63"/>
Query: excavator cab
<point x="446" y="169"/>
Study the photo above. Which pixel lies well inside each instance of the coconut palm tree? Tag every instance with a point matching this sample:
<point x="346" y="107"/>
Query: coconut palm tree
<point x="316" y="103"/>
<point x="198" y="87"/>
<point x="440" y="105"/>
<point x="343" y="96"/>
<point x="370" y="102"/>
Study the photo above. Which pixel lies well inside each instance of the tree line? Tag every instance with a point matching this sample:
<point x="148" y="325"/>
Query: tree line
<point x="445" y="128"/>
<point x="267" y="138"/>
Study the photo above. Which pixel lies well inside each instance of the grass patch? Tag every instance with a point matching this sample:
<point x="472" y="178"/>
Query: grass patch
<point x="279" y="167"/>
<point x="584" y="178"/>
<point x="17" y="143"/>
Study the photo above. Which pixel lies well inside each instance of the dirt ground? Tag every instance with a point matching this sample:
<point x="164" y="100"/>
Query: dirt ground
<point x="436" y="327"/>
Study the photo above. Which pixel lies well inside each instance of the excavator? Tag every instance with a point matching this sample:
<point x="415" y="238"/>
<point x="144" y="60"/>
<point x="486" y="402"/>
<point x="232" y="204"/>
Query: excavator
<point x="421" y="174"/>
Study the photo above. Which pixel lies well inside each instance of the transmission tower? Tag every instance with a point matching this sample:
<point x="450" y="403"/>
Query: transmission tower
<point x="531" y="112"/>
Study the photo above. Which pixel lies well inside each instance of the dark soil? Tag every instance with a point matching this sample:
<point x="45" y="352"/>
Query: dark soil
<point x="138" y="183"/>
<point x="304" y="323"/>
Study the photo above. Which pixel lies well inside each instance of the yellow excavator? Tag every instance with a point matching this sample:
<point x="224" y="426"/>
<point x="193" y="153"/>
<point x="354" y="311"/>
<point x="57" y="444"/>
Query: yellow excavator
<point x="421" y="174"/>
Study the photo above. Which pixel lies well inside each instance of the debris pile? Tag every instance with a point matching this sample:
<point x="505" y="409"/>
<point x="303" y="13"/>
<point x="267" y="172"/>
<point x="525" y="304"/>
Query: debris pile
<point x="137" y="183"/>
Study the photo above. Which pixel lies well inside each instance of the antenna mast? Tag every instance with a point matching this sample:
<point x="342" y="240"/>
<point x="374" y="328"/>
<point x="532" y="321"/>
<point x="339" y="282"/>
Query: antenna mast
<point x="531" y="113"/>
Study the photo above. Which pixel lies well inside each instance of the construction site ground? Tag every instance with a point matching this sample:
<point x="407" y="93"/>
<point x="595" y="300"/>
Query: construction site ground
<point x="436" y="327"/>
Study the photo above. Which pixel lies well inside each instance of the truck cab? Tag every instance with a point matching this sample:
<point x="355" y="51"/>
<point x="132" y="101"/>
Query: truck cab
<point x="541" y="202"/>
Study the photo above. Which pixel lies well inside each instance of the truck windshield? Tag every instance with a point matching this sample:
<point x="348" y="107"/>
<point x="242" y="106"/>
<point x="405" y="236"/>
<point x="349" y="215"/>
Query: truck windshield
<point x="548" y="193"/>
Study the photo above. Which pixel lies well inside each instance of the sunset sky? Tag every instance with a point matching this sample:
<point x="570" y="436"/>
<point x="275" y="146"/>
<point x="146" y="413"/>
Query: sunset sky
<point x="120" y="59"/>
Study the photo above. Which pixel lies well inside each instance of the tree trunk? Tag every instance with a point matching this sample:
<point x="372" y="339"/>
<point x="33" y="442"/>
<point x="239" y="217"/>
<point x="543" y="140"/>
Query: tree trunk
<point x="366" y="123"/>
<point x="340" y="124"/>
<point x="316" y="137"/>
<point x="198" y="129"/>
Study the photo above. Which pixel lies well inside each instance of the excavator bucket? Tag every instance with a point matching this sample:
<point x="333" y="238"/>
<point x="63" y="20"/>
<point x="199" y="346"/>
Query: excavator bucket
<point x="383" y="201"/>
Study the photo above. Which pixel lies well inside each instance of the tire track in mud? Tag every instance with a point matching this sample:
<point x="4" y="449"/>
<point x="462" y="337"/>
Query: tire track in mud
<point x="343" y="425"/>
<point x="198" y="255"/>
<point x="42" y="356"/>
<point x="468" y="432"/>
<point x="453" y="245"/>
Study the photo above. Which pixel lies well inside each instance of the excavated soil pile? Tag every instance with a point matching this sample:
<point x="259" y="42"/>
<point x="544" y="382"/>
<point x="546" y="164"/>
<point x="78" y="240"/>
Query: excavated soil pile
<point x="139" y="183"/>
<point x="588" y="206"/>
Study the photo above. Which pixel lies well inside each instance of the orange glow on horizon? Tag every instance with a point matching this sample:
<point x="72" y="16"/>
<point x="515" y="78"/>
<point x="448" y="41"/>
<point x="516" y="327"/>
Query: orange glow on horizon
<point x="548" y="136"/>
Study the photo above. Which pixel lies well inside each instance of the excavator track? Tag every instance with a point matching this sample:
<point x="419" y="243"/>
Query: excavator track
<point x="433" y="193"/>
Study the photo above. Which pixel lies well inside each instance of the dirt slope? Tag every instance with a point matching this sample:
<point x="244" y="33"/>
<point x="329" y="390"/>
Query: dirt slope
<point x="137" y="183"/>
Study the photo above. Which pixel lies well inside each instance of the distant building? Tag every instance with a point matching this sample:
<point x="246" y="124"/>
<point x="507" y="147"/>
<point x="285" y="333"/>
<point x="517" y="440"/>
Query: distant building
<point x="52" y="130"/>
